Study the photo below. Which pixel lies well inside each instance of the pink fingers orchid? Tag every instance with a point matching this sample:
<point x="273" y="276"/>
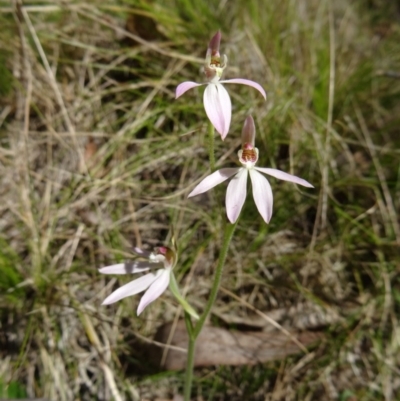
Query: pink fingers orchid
<point x="217" y="102"/>
<point x="237" y="188"/>
<point x="153" y="283"/>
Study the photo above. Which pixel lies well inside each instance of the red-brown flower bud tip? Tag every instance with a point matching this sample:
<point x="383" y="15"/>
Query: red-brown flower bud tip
<point x="248" y="133"/>
<point x="214" y="44"/>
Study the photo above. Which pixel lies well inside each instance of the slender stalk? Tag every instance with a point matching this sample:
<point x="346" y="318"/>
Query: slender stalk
<point x="189" y="325"/>
<point x="190" y="358"/>
<point x="211" y="150"/>
<point x="173" y="286"/>
<point x="194" y="331"/>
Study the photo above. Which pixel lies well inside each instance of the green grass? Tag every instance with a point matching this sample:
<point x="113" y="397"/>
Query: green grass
<point x="332" y="73"/>
<point x="13" y="390"/>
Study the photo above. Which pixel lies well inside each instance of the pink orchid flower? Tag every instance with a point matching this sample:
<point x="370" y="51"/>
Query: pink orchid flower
<point x="154" y="283"/>
<point x="236" y="192"/>
<point x="217" y="102"/>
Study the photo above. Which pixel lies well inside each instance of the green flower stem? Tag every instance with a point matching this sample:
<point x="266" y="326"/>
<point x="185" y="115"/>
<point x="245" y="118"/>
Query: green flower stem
<point x="190" y="358"/>
<point x="211" y="146"/>
<point x="173" y="286"/>
<point x="194" y="331"/>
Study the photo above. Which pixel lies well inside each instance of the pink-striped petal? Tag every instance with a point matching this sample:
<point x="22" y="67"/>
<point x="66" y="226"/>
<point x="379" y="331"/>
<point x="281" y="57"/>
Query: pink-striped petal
<point x="184" y="87"/>
<point x="132" y="288"/>
<point x="246" y="82"/>
<point x="155" y="290"/>
<point x="217" y="104"/>
<point x="236" y="195"/>
<point x="281" y="175"/>
<point x="126" y="268"/>
<point x="262" y="194"/>
<point x="213" y="180"/>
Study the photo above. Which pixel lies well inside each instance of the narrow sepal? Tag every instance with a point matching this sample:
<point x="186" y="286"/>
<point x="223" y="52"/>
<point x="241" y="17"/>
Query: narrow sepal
<point x="262" y="194"/>
<point x="247" y="82"/>
<point x="236" y="195"/>
<point x="217" y="104"/>
<point x="213" y="180"/>
<point x="184" y="87"/>
<point x="132" y="288"/>
<point x="158" y="286"/>
<point x="248" y="132"/>
<point x="127" y="268"/>
<point x="281" y="175"/>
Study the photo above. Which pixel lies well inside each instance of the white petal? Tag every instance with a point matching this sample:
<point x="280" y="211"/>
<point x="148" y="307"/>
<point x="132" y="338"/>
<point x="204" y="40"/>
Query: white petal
<point x="184" y="87"/>
<point x="236" y="195"/>
<point x="281" y="175"/>
<point x="126" y="268"/>
<point x="155" y="290"/>
<point x="262" y="194"/>
<point x="132" y="288"/>
<point x="246" y="82"/>
<point x="217" y="104"/>
<point x="212" y="180"/>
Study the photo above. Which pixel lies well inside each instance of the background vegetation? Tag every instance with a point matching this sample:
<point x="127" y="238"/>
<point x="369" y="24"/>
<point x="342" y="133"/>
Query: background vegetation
<point x="96" y="156"/>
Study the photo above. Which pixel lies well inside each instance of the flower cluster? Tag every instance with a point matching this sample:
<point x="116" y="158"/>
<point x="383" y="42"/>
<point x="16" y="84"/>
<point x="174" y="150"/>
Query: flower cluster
<point x="217" y="104"/>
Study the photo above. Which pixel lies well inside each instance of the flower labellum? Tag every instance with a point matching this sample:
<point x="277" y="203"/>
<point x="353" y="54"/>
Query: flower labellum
<point x="216" y="99"/>
<point x="237" y="188"/>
